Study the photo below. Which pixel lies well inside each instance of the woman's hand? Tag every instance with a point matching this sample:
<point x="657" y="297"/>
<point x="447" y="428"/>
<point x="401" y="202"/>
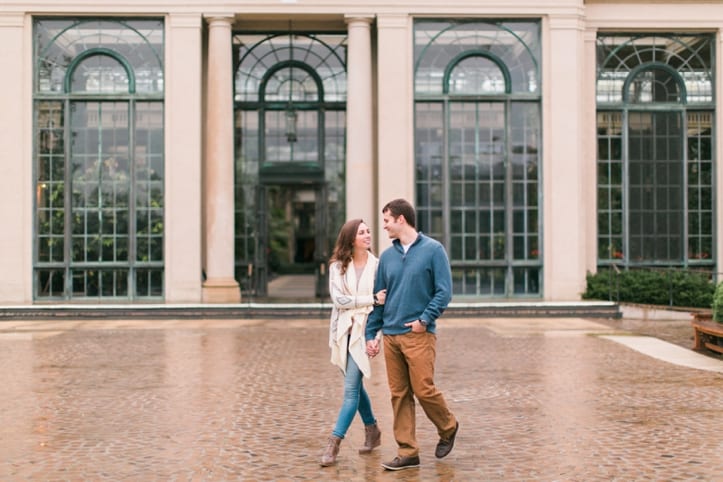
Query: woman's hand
<point x="381" y="296"/>
<point x="372" y="348"/>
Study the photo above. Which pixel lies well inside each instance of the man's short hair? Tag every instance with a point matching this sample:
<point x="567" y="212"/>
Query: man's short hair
<point x="402" y="207"/>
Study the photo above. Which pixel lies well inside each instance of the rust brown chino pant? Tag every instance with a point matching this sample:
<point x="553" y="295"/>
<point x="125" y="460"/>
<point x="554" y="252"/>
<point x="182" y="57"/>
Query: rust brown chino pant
<point x="410" y="372"/>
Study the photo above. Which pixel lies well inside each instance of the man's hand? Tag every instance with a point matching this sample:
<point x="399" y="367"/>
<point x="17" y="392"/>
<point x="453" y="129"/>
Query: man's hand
<point x="417" y="326"/>
<point x="372" y="348"/>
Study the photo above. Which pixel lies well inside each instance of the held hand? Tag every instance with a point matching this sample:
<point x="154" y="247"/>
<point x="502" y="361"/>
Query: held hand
<point x="381" y="296"/>
<point x="372" y="348"/>
<point x="416" y="326"/>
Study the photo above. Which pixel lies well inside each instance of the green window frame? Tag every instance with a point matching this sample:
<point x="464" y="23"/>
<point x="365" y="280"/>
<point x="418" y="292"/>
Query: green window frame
<point x="290" y="128"/>
<point x="655" y="157"/>
<point x="478" y="136"/>
<point x="98" y="159"/>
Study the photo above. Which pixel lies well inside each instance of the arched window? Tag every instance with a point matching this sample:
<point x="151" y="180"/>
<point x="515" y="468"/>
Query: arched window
<point x="654" y="84"/>
<point x="99" y="159"/>
<point x="477" y="151"/>
<point x="100" y="72"/>
<point x="293" y="87"/>
<point x="655" y="112"/>
<point x="290" y="120"/>
<point x="477" y="75"/>
<point x="291" y="84"/>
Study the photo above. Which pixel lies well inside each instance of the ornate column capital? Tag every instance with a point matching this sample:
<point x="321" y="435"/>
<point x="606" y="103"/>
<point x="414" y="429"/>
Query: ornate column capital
<point x="219" y="19"/>
<point x="359" y="18"/>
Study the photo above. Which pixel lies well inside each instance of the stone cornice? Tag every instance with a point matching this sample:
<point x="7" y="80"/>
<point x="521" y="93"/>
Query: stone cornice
<point x="185" y="20"/>
<point x="12" y="19"/>
<point x="392" y="21"/>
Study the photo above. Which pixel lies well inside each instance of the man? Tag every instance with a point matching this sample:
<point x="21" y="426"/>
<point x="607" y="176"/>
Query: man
<point x="415" y="272"/>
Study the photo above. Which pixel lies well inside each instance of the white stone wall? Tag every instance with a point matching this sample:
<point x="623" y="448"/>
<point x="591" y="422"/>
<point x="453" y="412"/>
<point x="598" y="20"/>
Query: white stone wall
<point x="386" y="169"/>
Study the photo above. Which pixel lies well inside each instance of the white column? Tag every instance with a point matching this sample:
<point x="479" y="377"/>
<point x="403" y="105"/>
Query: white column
<point x="564" y="186"/>
<point x="183" y="159"/>
<point x="359" y="137"/>
<point x="16" y="201"/>
<point x="395" y="169"/>
<point x="589" y="136"/>
<point x="220" y="285"/>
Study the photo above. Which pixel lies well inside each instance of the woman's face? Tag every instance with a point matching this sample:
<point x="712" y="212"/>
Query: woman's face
<point x="363" y="238"/>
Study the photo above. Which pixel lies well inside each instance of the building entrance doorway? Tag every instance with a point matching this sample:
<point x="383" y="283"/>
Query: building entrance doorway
<point x="290" y="121"/>
<point x="294" y="238"/>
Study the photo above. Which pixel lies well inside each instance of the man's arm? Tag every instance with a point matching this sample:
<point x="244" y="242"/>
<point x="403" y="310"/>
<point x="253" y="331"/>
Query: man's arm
<point x="375" y="318"/>
<point x="442" y="273"/>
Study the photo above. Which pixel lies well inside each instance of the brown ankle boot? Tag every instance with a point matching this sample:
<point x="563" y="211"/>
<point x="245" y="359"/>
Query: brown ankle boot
<point x="372" y="438"/>
<point x="332" y="449"/>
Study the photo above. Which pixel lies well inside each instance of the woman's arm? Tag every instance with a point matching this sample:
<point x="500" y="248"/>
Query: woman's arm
<point x="340" y="294"/>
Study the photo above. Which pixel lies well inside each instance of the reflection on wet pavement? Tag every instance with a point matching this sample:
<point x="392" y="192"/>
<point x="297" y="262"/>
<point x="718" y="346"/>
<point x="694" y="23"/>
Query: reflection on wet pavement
<point x="255" y="400"/>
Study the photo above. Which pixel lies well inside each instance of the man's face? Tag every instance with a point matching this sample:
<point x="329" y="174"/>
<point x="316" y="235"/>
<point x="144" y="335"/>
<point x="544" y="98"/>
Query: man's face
<point x="391" y="225"/>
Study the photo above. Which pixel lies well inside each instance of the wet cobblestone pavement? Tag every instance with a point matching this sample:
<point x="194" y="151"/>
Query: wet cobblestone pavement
<point x="255" y="400"/>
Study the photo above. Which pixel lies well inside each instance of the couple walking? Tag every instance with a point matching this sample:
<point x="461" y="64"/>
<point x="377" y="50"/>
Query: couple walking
<point x="394" y="300"/>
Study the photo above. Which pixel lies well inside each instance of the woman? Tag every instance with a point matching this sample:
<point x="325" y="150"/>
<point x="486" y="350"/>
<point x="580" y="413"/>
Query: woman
<point x="351" y="282"/>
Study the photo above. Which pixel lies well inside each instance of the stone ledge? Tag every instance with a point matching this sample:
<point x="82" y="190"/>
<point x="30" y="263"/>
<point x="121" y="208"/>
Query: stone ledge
<point x="296" y="310"/>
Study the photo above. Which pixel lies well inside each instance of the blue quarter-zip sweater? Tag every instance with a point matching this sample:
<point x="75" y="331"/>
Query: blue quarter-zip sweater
<point x="418" y="284"/>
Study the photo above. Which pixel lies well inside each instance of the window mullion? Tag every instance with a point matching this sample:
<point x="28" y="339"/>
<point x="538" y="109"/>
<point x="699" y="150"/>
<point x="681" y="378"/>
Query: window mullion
<point x="132" y="257"/>
<point x="67" y="199"/>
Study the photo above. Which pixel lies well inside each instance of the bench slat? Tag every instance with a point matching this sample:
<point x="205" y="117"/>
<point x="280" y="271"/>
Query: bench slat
<point x="715" y="329"/>
<point x="714" y="347"/>
<point x="703" y="331"/>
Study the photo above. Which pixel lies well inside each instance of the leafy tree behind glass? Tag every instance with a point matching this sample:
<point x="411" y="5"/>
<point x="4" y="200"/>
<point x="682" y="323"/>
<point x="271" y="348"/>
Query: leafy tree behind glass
<point x="101" y="230"/>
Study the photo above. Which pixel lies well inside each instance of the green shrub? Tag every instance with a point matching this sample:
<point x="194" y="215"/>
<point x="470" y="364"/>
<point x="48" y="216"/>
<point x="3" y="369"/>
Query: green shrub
<point x="655" y="287"/>
<point x="718" y="303"/>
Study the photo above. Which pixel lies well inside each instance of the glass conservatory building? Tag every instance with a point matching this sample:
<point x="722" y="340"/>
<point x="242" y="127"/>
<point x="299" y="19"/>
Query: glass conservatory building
<point x="176" y="152"/>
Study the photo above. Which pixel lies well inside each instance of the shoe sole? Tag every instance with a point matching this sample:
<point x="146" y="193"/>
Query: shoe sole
<point x="387" y="467"/>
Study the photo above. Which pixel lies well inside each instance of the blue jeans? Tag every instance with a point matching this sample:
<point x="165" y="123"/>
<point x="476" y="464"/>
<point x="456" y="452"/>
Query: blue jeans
<point x="355" y="399"/>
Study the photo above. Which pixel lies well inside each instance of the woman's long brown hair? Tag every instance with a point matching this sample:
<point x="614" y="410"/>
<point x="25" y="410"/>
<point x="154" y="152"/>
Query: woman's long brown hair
<point x="344" y="247"/>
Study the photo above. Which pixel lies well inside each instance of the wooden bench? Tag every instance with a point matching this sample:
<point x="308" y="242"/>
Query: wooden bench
<point x="707" y="335"/>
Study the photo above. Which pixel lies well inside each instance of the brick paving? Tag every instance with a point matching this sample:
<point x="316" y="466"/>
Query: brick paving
<point x="674" y="327"/>
<point x="212" y="400"/>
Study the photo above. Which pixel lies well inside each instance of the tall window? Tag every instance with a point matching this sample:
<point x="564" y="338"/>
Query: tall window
<point x="655" y="150"/>
<point x="477" y="151"/>
<point x="290" y="132"/>
<point x="99" y="159"/>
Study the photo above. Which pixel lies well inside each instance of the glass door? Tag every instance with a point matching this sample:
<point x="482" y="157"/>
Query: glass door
<point x="292" y="246"/>
<point x="322" y="242"/>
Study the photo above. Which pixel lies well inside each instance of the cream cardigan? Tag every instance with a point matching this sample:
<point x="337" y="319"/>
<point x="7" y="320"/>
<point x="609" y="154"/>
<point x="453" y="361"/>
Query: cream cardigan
<point x="351" y="306"/>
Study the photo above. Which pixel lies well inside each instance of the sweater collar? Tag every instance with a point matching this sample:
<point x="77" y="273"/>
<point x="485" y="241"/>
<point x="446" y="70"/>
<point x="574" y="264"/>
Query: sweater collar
<point x="398" y="244"/>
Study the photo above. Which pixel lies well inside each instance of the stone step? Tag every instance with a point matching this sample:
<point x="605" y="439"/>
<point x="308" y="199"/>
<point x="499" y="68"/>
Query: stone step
<point x="528" y="309"/>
